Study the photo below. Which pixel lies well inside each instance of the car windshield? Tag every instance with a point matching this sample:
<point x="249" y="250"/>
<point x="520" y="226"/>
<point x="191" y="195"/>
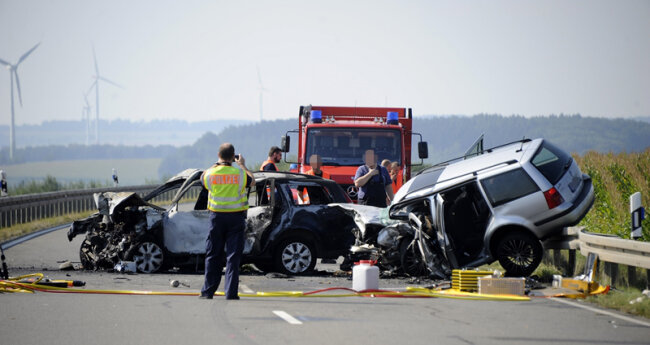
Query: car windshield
<point x="346" y="146"/>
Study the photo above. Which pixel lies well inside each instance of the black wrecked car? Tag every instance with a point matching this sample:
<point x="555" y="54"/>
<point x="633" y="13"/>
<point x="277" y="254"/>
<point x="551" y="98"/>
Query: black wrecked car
<point x="289" y="225"/>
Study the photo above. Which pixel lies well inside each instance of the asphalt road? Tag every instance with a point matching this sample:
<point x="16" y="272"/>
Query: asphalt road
<point x="113" y="319"/>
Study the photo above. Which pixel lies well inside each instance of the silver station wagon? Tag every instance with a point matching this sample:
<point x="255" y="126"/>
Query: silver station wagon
<point x="498" y="203"/>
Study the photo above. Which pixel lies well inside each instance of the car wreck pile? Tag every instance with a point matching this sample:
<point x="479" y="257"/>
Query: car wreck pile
<point x="398" y="247"/>
<point x="498" y="204"/>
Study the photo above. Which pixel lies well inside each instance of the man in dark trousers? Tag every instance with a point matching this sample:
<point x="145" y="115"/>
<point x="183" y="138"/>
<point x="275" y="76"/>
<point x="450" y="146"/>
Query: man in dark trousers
<point x="373" y="181"/>
<point x="228" y="202"/>
<point x="275" y="156"/>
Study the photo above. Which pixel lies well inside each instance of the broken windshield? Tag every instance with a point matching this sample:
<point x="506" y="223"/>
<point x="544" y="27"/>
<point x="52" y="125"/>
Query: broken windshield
<point x="346" y="146"/>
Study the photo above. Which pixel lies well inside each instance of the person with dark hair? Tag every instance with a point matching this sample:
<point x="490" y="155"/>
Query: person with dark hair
<point x="275" y="156"/>
<point x="315" y="162"/>
<point x="373" y="181"/>
<point x="228" y="203"/>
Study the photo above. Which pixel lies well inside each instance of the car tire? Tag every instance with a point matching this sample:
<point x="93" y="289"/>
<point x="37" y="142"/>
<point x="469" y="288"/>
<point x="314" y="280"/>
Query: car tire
<point x="295" y="256"/>
<point x="519" y="254"/>
<point x="85" y="252"/>
<point x="148" y="256"/>
<point x="412" y="263"/>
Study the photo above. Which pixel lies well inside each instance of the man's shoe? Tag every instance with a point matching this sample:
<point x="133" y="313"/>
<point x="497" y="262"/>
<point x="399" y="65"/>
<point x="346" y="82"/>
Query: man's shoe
<point x="202" y="296"/>
<point x="233" y="298"/>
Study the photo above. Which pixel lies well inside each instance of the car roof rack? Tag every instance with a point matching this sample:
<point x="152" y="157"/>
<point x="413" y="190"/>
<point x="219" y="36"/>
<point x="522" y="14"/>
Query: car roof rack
<point x="488" y="150"/>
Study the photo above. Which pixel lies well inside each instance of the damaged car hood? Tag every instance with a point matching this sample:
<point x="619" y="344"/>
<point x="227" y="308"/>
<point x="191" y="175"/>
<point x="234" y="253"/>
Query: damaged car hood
<point x="108" y="202"/>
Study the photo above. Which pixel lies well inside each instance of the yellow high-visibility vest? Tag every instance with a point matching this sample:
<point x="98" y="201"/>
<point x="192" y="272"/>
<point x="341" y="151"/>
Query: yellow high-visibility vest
<point x="227" y="189"/>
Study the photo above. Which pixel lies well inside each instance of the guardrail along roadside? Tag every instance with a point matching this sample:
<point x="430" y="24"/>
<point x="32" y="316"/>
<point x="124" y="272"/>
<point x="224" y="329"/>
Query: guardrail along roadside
<point x="26" y="208"/>
<point x="610" y="249"/>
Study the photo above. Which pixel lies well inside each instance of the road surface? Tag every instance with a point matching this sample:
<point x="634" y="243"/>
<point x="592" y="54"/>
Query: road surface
<point x="114" y="319"/>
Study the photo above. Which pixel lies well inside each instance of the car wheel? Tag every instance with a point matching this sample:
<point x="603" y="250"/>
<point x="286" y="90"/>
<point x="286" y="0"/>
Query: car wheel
<point x="85" y="255"/>
<point x="411" y="259"/>
<point x="295" y="256"/>
<point x="519" y="254"/>
<point x="148" y="256"/>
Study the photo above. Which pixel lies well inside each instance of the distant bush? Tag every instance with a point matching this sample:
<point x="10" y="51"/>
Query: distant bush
<point x="50" y="184"/>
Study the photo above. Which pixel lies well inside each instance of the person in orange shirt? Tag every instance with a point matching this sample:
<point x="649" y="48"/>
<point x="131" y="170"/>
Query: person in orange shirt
<point x="275" y="156"/>
<point x="316" y="163"/>
<point x="395" y="176"/>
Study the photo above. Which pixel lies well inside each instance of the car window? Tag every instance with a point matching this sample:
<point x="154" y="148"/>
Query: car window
<point x="508" y="186"/>
<point x="309" y="195"/>
<point x="195" y="196"/>
<point x="260" y="195"/>
<point x="551" y="162"/>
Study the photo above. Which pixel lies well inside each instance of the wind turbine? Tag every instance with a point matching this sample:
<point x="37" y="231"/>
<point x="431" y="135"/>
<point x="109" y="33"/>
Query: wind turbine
<point x="262" y="90"/>
<point x="86" y="117"/>
<point x="13" y="73"/>
<point x="95" y="84"/>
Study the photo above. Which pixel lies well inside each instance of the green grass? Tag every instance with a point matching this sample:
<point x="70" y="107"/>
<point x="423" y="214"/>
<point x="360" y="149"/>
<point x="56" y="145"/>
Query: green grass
<point x="620" y="300"/>
<point x="615" y="178"/>
<point x="27" y="228"/>
<point x="130" y="171"/>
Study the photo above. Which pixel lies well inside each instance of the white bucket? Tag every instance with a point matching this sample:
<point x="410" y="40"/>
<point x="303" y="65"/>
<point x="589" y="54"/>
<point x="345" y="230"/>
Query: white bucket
<point x="365" y="276"/>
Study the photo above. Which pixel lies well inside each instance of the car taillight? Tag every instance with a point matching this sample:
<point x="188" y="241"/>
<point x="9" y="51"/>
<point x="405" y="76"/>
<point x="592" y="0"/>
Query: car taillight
<point x="553" y="198"/>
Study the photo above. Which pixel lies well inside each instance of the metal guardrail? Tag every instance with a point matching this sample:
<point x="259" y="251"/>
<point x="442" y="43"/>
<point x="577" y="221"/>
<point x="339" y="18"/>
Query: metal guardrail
<point x="608" y="248"/>
<point x="26" y="208"/>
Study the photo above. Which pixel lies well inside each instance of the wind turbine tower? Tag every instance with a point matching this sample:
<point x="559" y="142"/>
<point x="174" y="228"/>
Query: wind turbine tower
<point x="86" y="117"/>
<point x="262" y="90"/>
<point x="13" y="73"/>
<point x="95" y="84"/>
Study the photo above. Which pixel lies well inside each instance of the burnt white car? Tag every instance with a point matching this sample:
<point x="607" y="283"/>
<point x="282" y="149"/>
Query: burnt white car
<point x="498" y="204"/>
<point x="289" y="225"/>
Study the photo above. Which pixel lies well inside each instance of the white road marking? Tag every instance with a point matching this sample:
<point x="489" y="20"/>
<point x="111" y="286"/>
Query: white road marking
<point x="601" y="311"/>
<point x="286" y="317"/>
<point x="245" y="289"/>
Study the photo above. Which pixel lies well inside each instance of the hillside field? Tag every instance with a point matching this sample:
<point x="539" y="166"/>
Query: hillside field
<point x="129" y="171"/>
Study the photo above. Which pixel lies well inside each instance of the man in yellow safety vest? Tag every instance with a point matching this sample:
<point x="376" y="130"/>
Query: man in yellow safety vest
<point x="228" y="202"/>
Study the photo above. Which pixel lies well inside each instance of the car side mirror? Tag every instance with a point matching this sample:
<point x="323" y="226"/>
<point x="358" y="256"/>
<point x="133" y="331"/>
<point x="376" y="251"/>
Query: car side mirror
<point x="423" y="150"/>
<point x="286" y="143"/>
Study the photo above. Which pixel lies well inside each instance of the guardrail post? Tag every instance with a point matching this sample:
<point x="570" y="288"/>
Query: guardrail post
<point x="611" y="272"/>
<point x="571" y="269"/>
<point x="631" y="276"/>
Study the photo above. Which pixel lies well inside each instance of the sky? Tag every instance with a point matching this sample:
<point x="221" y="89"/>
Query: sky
<point x="198" y="60"/>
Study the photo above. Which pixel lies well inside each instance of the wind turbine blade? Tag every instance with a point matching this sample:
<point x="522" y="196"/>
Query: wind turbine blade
<point x="111" y="82"/>
<point x="20" y="96"/>
<point x="27" y="54"/>
<point x="4" y="62"/>
<point x="95" y="60"/>
<point x="259" y="76"/>
<point x="86" y="100"/>
<point x="91" y="87"/>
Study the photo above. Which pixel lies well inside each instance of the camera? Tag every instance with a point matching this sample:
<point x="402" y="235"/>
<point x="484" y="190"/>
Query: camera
<point x="237" y="157"/>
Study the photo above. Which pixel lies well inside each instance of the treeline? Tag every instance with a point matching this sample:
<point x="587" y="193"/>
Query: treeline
<point x="50" y="184"/>
<point x="448" y="137"/>
<point x="253" y="141"/>
<point x="75" y="151"/>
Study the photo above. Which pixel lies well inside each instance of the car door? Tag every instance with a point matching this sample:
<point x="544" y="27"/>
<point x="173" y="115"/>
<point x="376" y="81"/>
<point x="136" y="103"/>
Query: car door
<point x="186" y="223"/>
<point x="263" y="201"/>
<point x="465" y="216"/>
<point x="311" y="211"/>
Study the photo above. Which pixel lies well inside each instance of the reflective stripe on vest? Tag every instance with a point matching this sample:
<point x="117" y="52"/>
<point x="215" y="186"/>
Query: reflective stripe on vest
<point x="267" y="162"/>
<point x="227" y="189"/>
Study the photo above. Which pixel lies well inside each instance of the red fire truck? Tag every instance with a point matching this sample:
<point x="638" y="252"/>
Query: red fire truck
<point x="341" y="135"/>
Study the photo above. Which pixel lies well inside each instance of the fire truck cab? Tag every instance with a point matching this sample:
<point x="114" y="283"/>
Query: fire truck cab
<point x="341" y="136"/>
